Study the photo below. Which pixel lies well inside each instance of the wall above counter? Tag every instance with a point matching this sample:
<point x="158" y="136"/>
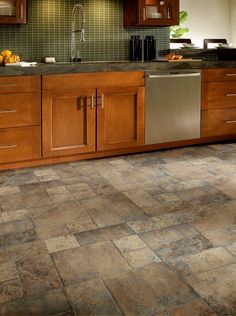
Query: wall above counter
<point x="49" y="29"/>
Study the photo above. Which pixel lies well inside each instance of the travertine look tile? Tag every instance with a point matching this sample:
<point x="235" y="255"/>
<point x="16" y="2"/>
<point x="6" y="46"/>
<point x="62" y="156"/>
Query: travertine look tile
<point x="82" y="223"/>
<point x="9" y="190"/>
<point x="59" y="194"/>
<point x="232" y="249"/>
<point x="10" y="290"/>
<point x="129" y="243"/>
<point x="81" y="191"/>
<point x="111" y="209"/>
<point x="89" y="262"/>
<point x="15" y="215"/>
<point x="147" y="291"/>
<point x="221" y="237"/>
<point x="206" y="260"/>
<point x="147" y="224"/>
<point x="218" y="288"/>
<point x="8" y="271"/>
<point x="141" y="257"/>
<point x="60" y="243"/>
<point x="50" y="302"/>
<point x="194" y="308"/>
<point x="103" y="234"/>
<point x="92" y="298"/>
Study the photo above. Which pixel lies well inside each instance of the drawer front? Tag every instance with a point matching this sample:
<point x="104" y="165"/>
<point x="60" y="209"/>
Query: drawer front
<point x="218" y="95"/>
<point x="20" y="109"/>
<point x="219" y="74"/>
<point x="93" y="80"/>
<point x="19" y="144"/>
<point x="218" y="122"/>
<point x="20" y="84"/>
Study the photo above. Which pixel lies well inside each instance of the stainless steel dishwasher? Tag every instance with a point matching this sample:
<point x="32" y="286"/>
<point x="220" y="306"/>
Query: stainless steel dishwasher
<point x="172" y="111"/>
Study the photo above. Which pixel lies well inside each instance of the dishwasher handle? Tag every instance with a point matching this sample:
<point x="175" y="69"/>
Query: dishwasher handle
<point x="174" y="75"/>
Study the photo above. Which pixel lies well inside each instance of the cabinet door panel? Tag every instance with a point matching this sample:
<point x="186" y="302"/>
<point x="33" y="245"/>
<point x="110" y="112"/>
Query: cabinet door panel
<point x="218" y="122"/>
<point x="68" y="122"/>
<point x="217" y="95"/>
<point x="120" y="118"/>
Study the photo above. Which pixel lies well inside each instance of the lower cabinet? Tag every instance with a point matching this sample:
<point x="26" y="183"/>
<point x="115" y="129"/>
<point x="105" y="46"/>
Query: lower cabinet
<point x="120" y="118"/>
<point x="83" y="120"/>
<point x="69" y="122"/>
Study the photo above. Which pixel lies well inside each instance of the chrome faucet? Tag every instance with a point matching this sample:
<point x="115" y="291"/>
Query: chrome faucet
<point x="80" y="9"/>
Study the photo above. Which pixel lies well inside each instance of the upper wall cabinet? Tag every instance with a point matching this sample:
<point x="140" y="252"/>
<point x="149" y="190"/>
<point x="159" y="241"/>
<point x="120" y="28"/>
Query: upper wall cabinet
<point x="151" y="13"/>
<point x="13" y="11"/>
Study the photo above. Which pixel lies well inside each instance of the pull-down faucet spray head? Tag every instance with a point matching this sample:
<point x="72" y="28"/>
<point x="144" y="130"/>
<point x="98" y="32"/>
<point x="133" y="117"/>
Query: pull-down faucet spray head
<point x="77" y="8"/>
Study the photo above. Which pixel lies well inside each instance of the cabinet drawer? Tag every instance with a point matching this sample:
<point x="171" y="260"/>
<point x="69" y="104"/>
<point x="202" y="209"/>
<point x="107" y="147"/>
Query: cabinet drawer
<point x="217" y="95"/>
<point x="18" y="144"/>
<point x="93" y="80"/>
<point x="20" y="109"/>
<point x="218" y="122"/>
<point x="220" y="74"/>
<point x="20" y="84"/>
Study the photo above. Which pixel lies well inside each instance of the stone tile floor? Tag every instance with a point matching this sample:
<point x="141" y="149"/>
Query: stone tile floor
<point x="150" y="234"/>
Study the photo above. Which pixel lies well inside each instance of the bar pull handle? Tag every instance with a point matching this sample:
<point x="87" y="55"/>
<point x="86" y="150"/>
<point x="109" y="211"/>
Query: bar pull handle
<point x="92" y="102"/>
<point x="7" y="111"/>
<point x="81" y="102"/>
<point x="230" y="122"/>
<point x="230" y="94"/>
<point x="231" y="75"/>
<point x="8" y="146"/>
<point x="103" y="102"/>
<point x="8" y="85"/>
<point x="21" y="11"/>
<point x="144" y="14"/>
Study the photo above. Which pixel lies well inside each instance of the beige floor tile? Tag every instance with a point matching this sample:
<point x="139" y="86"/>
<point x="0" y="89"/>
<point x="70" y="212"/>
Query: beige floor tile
<point x="206" y="260"/>
<point x="10" y="290"/>
<point x="8" y="271"/>
<point x="232" y="248"/>
<point x="9" y="190"/>
<point x="59" y="194"/>
<point x="221" y="237"/>
<point x="60" y="243"/>
<point x="147" y="224"/>
<point x="141" y="257"/>
<point x="129" y="243"/>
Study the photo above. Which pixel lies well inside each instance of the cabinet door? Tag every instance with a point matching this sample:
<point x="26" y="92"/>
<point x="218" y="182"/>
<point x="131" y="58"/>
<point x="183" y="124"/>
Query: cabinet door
<point x="13" y="12"/>
<point x="68" y="122"/>
<point x="120" y="118"/>
<point x="151" y="13"/>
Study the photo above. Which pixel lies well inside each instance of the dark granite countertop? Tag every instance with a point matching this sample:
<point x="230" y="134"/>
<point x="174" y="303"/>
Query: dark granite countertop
<point x="67" y="68"/>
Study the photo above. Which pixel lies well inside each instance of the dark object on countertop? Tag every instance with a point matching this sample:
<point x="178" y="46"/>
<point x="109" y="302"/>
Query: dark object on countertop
<point x="181" y="40"/>
<point x="135" y="48"/>
<point x="206" y="41"/>
<point x="149" y="48"/>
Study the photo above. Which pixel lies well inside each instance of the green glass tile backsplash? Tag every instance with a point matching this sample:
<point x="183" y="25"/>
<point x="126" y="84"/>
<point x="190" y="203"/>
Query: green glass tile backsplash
<point x="48" y="32"/>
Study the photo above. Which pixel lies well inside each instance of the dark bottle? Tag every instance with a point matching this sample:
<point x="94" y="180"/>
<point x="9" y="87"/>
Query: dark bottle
<point x="135" y="48"/>
<point x="149" y="48"/>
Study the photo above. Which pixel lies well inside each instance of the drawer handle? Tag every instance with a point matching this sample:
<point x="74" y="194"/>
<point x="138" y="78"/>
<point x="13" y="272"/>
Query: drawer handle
<point x="230" y="75"/>
<point x="7" y="146"/>
<point x="144" y="14"/>
<point x="92" y="102"/>
<point x="230" y="122"/>
<point x="8" y="85"/>
<point x="103" y="102"/>
<point x="230" y="94"/>
<point x="21" y="11"/>
<point x="81" y="102"/>
<point x="8" y="111"/>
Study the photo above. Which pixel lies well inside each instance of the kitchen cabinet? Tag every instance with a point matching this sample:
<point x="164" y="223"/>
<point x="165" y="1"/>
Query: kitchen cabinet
<point x="13" y="12"/>
<point x="150" y="13"/>
<point x="218" y="102"/>
<point x="85" y="113"/>
<point x="20" y="118"/>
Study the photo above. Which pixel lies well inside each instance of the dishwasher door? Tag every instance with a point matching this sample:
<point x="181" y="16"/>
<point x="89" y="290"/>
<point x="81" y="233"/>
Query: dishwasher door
<point x="172" y="111"/>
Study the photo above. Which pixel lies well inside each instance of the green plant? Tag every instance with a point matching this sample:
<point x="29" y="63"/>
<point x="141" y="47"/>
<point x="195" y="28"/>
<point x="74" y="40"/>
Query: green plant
<point x="177" y="31"/>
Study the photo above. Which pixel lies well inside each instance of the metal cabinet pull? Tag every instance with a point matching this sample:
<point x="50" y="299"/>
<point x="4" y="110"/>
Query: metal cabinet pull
<point x="8" y="85"/>
<point x="230" y="122"/>
<point x="92" y="102"/>
<point x="231" y="75"/>
<point x="7" y="146"/>
<point x="21" y="11"/>
<point x="8" y="111"/>
<point x="230" y="95"/>
<point x="144" y="14"/>
<point x="103" y="102"/>
<point x="81" y="102"/>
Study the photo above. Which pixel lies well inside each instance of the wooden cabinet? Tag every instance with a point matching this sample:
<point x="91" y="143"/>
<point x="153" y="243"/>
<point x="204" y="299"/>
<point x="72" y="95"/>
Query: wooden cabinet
<point x="120" y="118"/>
<point x="13" y="11"/>
<point x="92" y="112"/>
<point x="68" y="122"/>
<point x="20" y="118"/>
<point x="150" y="13"/>
<point x="218" y="102"/>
